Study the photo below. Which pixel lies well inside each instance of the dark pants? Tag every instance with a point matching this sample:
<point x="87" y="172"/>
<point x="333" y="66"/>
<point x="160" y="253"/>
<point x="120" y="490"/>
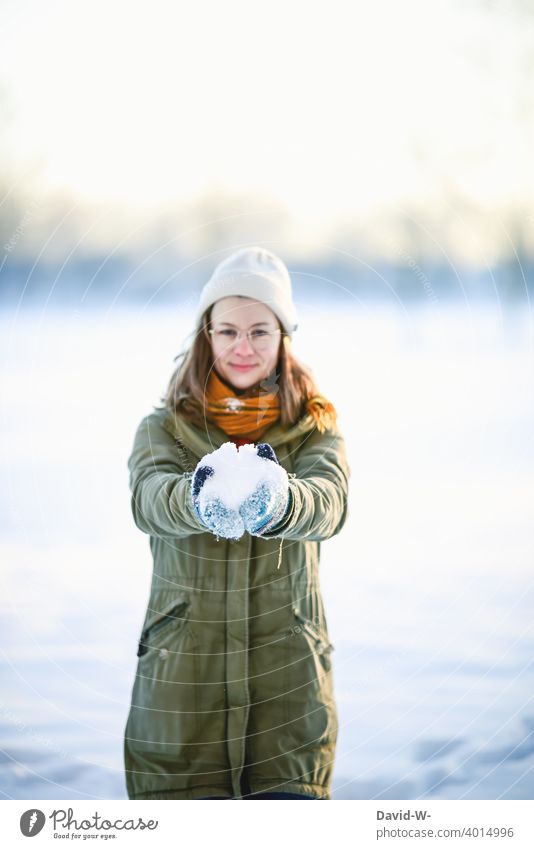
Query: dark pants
<point x="245" y="790"/>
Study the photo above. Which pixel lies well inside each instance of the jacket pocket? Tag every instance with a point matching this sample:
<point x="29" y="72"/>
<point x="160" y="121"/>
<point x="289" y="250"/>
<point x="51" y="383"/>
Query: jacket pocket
<point x="319" y="641"/>
<point x="171" y="618"/>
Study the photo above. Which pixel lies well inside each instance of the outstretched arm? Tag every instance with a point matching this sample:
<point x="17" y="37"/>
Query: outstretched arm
<point x="318" y="491"/>
<point x="160" y="486"/>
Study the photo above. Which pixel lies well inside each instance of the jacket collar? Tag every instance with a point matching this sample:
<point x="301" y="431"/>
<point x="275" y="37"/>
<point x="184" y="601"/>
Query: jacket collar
<point x="204" y="441"/>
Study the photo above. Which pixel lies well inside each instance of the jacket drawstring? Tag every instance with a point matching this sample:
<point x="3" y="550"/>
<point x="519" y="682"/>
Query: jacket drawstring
<point x="280" y="554"/>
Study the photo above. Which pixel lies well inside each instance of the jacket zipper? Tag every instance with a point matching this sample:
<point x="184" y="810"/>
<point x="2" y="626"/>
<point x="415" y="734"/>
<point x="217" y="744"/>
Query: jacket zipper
<point x="160" y="623"/>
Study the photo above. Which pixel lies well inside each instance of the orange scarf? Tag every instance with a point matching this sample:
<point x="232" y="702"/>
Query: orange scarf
<point x="241" y="415"/>
<point x="249" y="415"/>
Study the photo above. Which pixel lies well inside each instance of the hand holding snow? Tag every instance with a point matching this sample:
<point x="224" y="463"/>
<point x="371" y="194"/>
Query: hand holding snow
<point x="234" y="491"/>
<point x="215" y="490"/>
<point x="269" y="499"/>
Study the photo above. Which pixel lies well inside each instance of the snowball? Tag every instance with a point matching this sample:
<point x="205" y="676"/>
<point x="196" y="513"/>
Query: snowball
<point x="237" y="473"/>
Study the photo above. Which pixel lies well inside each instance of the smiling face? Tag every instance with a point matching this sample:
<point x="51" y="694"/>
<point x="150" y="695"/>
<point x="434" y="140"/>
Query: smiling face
<point x="238" y="361"/>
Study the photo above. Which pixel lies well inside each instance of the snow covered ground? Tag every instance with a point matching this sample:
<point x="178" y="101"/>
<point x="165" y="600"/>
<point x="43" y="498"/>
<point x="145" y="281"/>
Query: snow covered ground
<point x="429" y="588"/>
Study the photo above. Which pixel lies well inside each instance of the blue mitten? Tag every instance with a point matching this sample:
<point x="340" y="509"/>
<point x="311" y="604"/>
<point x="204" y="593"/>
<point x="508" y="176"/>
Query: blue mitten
<point x="214" y="496"/>
<point x="267" y="504"/>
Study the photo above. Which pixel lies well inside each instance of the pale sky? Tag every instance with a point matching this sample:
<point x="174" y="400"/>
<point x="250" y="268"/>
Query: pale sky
<point x="333" y="109"/>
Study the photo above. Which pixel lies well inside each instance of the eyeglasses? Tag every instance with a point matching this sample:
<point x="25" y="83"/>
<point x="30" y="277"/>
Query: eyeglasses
<point x="260" y="340"/>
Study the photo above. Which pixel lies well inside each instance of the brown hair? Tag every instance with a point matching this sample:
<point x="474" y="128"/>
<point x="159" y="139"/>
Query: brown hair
<point x="186" y="391"/>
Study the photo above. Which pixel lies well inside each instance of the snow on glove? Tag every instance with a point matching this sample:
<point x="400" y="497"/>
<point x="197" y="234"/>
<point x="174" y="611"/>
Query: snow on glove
<point x="216" y="494"/>
<point x="268" y="501"/>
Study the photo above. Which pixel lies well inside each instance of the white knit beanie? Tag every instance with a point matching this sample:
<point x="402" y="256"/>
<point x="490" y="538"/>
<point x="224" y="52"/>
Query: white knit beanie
<point x="256" y="273"/>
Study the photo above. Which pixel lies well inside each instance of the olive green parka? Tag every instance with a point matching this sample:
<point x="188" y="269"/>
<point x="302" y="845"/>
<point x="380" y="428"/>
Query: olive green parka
<point x="233" y="692"/>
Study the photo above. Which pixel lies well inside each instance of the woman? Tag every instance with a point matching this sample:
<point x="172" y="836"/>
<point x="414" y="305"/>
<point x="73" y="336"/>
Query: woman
<point x="233" y="696"/>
